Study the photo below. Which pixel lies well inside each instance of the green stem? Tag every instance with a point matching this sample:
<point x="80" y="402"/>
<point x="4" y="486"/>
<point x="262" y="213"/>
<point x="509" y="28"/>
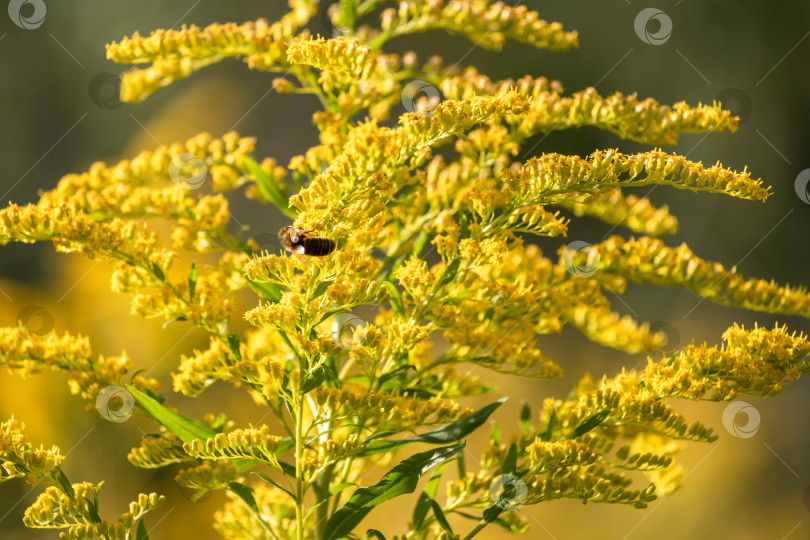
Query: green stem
<point x="478" y="528"/>
<point x="299" y="457"/>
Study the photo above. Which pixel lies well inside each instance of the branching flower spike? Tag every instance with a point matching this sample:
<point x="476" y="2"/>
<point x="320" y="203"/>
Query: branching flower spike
<point x="412" y="271"/>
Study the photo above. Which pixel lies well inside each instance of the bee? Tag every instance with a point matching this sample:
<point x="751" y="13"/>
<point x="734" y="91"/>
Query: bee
<point x="300" y="242"/>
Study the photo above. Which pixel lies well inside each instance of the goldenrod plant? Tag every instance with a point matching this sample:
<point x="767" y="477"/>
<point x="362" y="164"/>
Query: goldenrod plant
<point x="408" y="273"/>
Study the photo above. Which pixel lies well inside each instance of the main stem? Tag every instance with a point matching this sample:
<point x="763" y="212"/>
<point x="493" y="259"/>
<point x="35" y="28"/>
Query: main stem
<point x="299" y="460"/>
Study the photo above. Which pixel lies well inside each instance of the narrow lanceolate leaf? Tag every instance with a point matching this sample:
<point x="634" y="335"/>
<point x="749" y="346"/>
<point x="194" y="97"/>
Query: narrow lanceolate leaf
<point x="320" y="289"/>
<point x="525" y="419"/>
<point x="447" y="434"/>
<point x="273" y="482"/>
<point x="449" y="273"/>
<point x="269" y="187"/>
<point x="423" y="504"/>
<point x="266" y="290"/>
<point x="141" y="533"/>
<point x="510" y="462"/>
<point x="398" y="481"/>
<point x="440" y="518"/>
<point x="192" y="280"/>
<point x="183" y="428"/>
<point x="588" y="424"/>
<point x="245" y="493"/>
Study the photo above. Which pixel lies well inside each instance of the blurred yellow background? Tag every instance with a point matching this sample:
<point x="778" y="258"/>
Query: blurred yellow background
<point x="752" y="54"/>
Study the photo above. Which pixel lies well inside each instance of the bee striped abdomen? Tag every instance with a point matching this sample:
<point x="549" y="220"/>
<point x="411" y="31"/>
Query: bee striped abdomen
<point x="318" y="246"/>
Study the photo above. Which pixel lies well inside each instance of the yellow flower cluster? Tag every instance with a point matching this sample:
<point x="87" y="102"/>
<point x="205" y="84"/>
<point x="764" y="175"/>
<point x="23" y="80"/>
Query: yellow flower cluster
<point x="390" y="410"/>
<point x="546" y="178"/>
<point x="488" y="25"/>
<point x="19" y="459"/>
<point x="70" y="354"/>
<point x="198" y="372"/>
<point x="325" y="453"/>
<point x="385" y="198"/>
<point x="158" y="450"/>
<point x="646" y="121"/>
<point x="250" y="443"/>
<point x="757" y="361"/>
<point x="615" y="208"/>
<point x="176" y="54"/>
<point x="649" y="260"/>
<point x="54" y="509"/>
<point x="209" y="476"/>
<point x="235" y="521"/>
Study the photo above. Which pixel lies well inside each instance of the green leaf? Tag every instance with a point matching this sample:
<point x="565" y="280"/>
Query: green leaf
<point x="552" y="425"/>
<point x="423" y="503"/>
<point x="525" y="419"/>
<point x="314" y="381"/>
<point x="395" y="297"/>
<point x="420" y="510"/>
<point x="441" y="519"/>
<point x="400" y="480"/>
<point x="158" y="271"/>
<point x="421" y="240"/>
<point x="510" y="462"/>
<point x="233" y="346"/>
<point x="273" y="482"/>
<point x="192" y="280"/>
<point x="268" y="187"/>
<point x="64" y="483"/>
<point x="461" y="465"/>
<point x="348" y="18"/>
<point x="320" y="289"/>
<point x="449" y="272"/>
<point x="588" y="424"/>
<point x="463" y="225"/>
<point x="92" y="508"/>
<point x="266" y="290"/>
<point x="375" y="533"/>
<point x="447" y="434"/>
<point x="183" y="428"/>
<point x="492" y="513"/>
<point x="390" y="380"/>
<point x="245" y="493"/>
<point x="141" y="533"/>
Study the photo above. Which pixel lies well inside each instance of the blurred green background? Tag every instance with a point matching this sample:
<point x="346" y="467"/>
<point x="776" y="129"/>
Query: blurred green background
<point x="753" y="55"/>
